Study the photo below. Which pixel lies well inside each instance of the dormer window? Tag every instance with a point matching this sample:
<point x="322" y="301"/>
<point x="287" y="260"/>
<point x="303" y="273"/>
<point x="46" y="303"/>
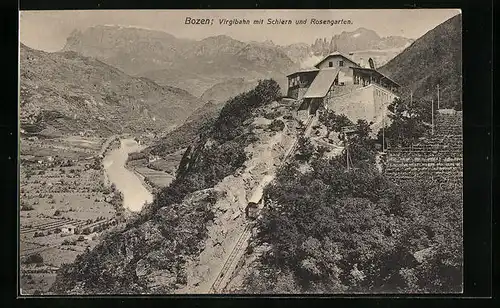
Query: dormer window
<point x="330" y="64"/>
<point x="341" y="63"/>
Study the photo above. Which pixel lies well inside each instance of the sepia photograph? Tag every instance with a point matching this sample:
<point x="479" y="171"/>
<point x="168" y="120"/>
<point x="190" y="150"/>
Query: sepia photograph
<point x="242" y="152"/>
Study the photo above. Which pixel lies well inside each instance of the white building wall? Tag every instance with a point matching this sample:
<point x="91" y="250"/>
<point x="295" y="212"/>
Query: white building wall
<point x="368" y="103"/>
<point x="336" y="63"/>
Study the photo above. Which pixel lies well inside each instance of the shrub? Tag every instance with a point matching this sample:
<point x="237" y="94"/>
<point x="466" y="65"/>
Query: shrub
<point x="38" y="234"/>
<point x="277" y="125"/>
<point x="35" y="258"/>
<point x="272" y="115"/>
<point x="305" y="149"/>
<point x="57" y="213"/>
<point x="27" y="207"/>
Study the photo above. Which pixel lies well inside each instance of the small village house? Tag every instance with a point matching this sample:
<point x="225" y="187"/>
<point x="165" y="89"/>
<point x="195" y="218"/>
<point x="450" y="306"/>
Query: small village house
<point x="68" y="229"/>
<point x="153" y="158"/>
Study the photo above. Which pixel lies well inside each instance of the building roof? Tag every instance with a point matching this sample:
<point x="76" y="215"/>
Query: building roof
<point x="335" y="53"/>
<point x="303" y="71"/>
<point x="322" y="83"/>
<point x="375" y="72"/>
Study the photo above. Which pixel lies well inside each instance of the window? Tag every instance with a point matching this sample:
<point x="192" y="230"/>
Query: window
<point x="341" y="63"/>
<point x="330" y="64"/>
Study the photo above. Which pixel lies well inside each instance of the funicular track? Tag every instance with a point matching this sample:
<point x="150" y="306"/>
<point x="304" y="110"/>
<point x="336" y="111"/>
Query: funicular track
<point x="216" y="286"/>
<point x="232" y="259"/>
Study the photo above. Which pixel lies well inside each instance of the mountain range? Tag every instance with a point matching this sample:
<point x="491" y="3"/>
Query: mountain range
<point x="360" y="39"/>
<point x="196" y="66"/>
<point x="188" y="64"/>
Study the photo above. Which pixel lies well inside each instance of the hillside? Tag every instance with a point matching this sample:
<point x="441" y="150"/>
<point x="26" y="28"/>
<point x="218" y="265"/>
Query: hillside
<point x="311" y="236"/>
<point x="65" y="93"/>
<point x="187" y="134"/>
<point x="155" y="251"/>
<point x="221" y="92"/>
<point x="433" y="58"/>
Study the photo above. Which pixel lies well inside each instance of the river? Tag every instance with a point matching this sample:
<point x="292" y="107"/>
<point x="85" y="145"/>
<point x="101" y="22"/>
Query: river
<point x="126" y="181"/>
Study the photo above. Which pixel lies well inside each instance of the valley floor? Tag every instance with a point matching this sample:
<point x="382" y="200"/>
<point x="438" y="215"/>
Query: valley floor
<point x="66" y="202"/>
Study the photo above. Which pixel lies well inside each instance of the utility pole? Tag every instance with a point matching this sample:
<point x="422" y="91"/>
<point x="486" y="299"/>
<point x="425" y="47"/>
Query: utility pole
<point x="432" y="116"/>
<point x="346" y="130"/>
<point x="383" y="132"/>
<point x="438" y="96"/>
<point x="347" y="152"/>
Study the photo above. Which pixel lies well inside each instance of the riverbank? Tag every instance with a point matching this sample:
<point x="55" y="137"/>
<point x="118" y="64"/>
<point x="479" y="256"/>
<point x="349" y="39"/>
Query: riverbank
<point x="149" y="187"/>
<point x="135" y="191"/>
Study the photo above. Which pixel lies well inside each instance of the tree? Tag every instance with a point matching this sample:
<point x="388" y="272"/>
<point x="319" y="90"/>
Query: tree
<point x="407" y="122"/>
<point x="34" y="259"/>
<point x="86" y="231"/>
<point x="277" y="125"/>
<point x="361" y="145"/>
<point x="332" y="121"/>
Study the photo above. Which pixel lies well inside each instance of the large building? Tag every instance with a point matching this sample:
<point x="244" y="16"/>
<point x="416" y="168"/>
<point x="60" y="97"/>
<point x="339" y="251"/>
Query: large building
<point x="340" y="84"/>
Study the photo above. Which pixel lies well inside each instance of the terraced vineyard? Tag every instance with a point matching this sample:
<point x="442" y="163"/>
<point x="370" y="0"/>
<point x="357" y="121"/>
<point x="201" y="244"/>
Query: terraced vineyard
<point x="437" y="158"/>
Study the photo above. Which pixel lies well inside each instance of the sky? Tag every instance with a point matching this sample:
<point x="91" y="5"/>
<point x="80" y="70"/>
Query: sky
<point x="48" y="30"/>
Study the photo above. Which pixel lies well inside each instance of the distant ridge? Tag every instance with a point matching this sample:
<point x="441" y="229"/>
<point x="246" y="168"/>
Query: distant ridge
<point x="434" y="58"/>
<point x="66" y="93"/>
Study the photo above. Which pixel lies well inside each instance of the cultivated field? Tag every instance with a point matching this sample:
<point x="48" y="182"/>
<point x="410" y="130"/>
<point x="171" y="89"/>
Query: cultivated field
<point x="158" y="172"/>
<point x="64" y="205"/>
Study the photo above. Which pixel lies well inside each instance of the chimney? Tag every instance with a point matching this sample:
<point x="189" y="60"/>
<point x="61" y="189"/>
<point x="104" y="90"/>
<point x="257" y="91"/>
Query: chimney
<point x="361" y="62"/>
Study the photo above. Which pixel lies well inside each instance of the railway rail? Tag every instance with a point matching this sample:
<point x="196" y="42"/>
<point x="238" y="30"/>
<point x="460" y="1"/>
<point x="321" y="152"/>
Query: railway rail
<point x="217" y="285"/>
